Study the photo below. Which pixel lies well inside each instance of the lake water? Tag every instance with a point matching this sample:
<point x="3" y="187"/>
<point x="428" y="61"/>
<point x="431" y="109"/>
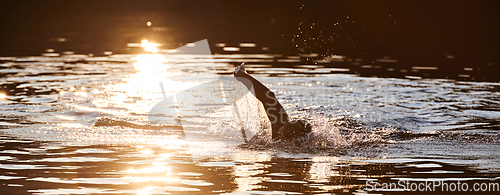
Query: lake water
<point x="366" y="130"/>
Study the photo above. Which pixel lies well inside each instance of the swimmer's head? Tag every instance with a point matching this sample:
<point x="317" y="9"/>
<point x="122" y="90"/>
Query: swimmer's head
<point x="294" y="129"/>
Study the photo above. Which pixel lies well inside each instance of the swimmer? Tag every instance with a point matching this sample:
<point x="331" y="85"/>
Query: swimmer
<point x="282" y="127"/>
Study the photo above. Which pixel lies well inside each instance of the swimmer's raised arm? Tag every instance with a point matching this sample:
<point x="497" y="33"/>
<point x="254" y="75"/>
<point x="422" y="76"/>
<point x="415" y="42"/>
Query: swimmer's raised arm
<point x="275" y="112"/>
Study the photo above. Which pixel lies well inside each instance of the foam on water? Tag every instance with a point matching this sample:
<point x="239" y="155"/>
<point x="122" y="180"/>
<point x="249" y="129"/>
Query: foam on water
<point x="326" y="137"/>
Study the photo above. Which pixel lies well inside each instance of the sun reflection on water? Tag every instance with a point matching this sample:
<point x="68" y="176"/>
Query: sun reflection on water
<point x="146" y="151"/>
<point x="141" y="90"/>
<point x="150" y="47"/>
<point x="131" y="90"/>
<point x="150" y="62"/>
<point x="154" y="178"/>
<point x="153" y="169"/>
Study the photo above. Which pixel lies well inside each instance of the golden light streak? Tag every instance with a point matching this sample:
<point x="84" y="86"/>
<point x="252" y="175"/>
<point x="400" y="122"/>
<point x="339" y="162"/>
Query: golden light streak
<point x="153" y="169"/>
<point x="151" y="47"/>
<point x="149" y="62"/>
<point x="146" y="151"/>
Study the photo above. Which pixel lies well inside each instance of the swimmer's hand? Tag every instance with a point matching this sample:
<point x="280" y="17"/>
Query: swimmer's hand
<point x="239" y="69"/>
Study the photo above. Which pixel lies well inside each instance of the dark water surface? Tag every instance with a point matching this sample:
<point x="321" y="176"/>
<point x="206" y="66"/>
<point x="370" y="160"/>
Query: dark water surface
<point x="366" y="130"/>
